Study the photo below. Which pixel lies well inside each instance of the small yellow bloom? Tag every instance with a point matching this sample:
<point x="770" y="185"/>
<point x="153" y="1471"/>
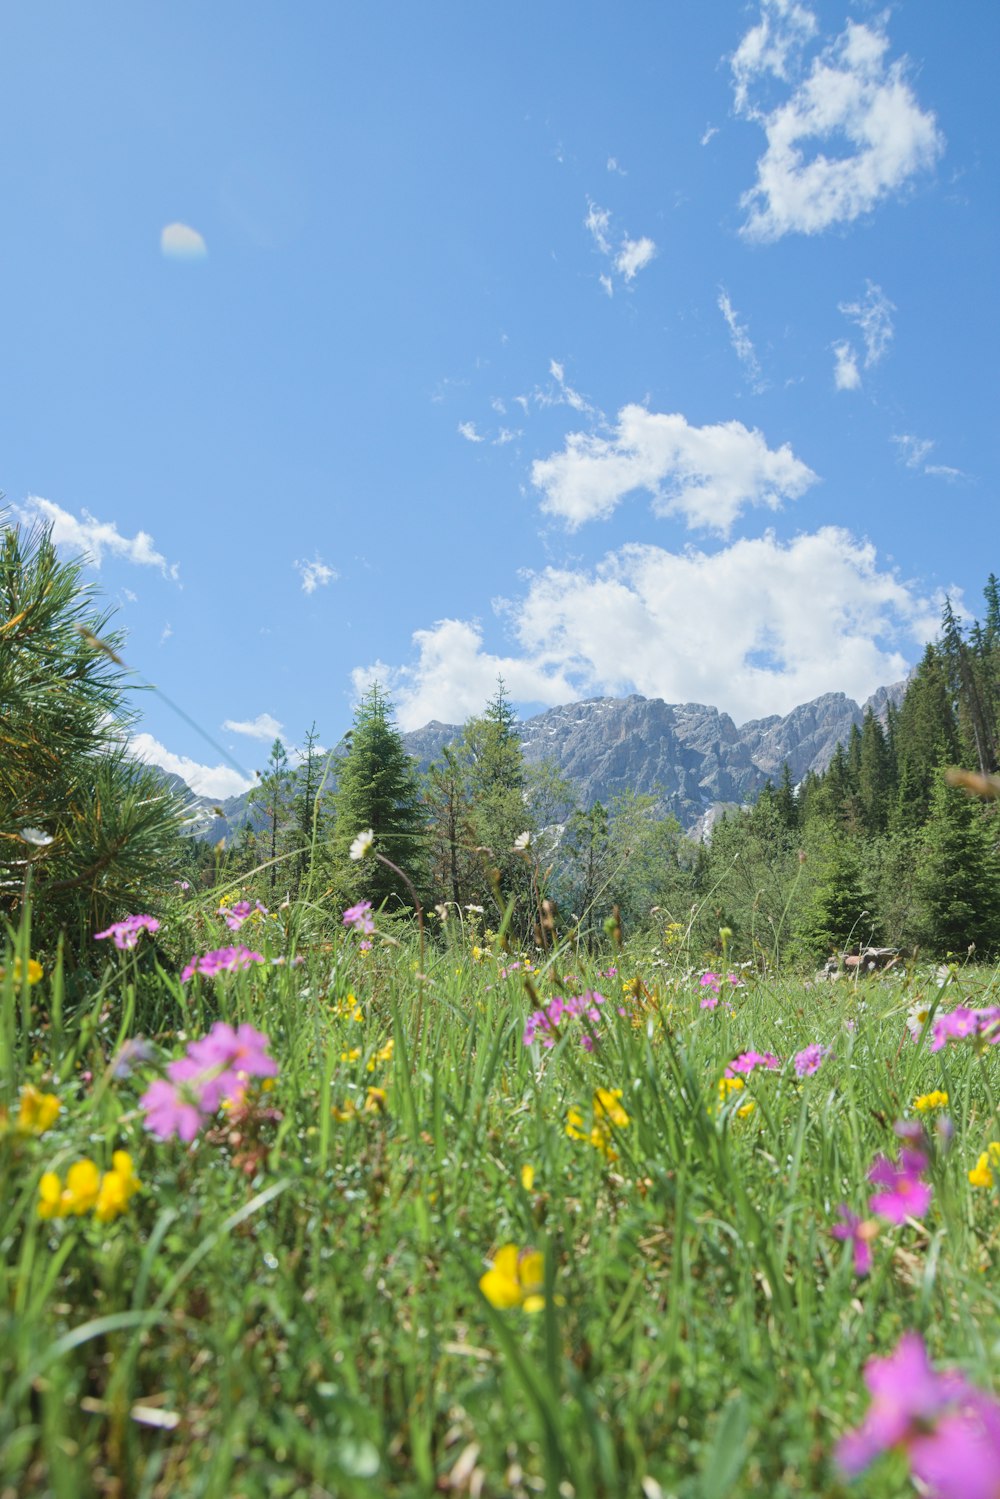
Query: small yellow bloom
<point x="982" y="1173"/>
<point x="527" y="1177"/>
<point x="117" y="1187"/>
<point x="384" y="1054"/>
<point x="607" y="1104"/>
<point x="515" y="1278"/>
<point x="352" y="1055"/>
<point x="935" y="1100"/>
<point x="49" y="1196"/>
<point x="376" y="1100"/>
<point x="35" y="971"/>
<point x="574" y="1125"/>
<point x="346" y="1114"/>
<point x="83" y="1183"/>
<point x="37" y="1111"/>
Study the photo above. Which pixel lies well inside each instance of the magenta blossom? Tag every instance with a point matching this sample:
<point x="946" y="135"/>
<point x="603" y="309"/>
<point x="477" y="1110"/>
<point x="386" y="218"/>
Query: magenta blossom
<point x="981" y="1026"/>
<point x="170" y="1111"/>
<point x="221" y="960"/>
<point x="748" y="1060"/>
<point x="544" y="1024"/>
<point x="905" y="1194"/>
<point x="948" y="1430"/>
<point x="359" y="917"/>
<point x="126" y="932"/>
<point x="235" y="916"/>
<point x="810" y="1059"/>
<point x="213" y="1070"/>
<point x="855" y="1230"/>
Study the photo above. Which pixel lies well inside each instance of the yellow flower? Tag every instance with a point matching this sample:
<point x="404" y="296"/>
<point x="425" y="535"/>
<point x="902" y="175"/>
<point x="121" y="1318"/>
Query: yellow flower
<point x="37" y="1112"/>
<point x="375" y="1100"/>
<point x="981" y="1174"/>
<point x="352" y="1055"/>
<point x="574" y="1125"/>
<point x="384" y="1054"/>
<point x="347" y="1113"/>
<point x="935" y="1100"/>
<point x="35" y="971"/>
<point x="608" y="1115"/>
<point x="117" y="1187"/>
<point x="50" y="1196"/>
<point x="527" y="1177"/>
<point x="83" y="1183"/>
<point x="607" y="1105"/>
<point x="515" y="1278"/>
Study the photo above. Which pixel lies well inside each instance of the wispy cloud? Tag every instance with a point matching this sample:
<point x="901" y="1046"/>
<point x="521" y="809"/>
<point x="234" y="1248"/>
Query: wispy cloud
<point x="91" y="538"/>
<point x="707" y="475"/>
<point x="914" y="452"/>
<point x="708" y="133"/>
<point x="628" y="256"/>
<point x="739" y="336"/>
<point x="315" y="574"/>
<point x="846" y="375"/>
<point x="850" y="90"/>
<point x="468" y="431"/>
<point x="264" y="727"/>
<point x="686" y="627"/>
<point x="872" y="315"/>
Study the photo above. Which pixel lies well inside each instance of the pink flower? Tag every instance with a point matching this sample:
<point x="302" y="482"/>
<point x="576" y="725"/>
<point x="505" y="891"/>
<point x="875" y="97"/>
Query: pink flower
<point x="126" y="932"/>
<point x="748" y="1060"/>
<point x="948" y="1430"/>
<point x="221" y="960"/>
<point x="982" y="1026"/>
<point x="810" y="1059"/>
<point x="905" y="1195"/>
<point x="170" y="1111"/>
<point x="855" y="1230"/>
<point x="359" y="917"/>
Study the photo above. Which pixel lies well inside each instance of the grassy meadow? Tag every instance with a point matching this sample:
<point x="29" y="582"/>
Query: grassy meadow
<point x="410" y="1254"/>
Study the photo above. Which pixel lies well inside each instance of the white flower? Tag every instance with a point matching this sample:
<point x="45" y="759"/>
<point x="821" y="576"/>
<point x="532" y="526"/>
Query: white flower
<point x="916" y="1018"/>
<point x="362" y="844"/>
<point x="37" y="836"/>
<point x="521" y="842"/>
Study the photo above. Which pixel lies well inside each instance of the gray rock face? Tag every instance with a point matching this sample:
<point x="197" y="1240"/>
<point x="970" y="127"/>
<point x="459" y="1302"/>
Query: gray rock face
<point x="691" y="758"/>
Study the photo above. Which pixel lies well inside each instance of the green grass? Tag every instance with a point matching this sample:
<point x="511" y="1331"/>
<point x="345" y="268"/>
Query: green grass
<point x="291" y="1305"/>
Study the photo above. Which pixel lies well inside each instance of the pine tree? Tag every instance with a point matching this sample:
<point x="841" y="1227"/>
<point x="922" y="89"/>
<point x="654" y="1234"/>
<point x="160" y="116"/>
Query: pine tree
<point x="65" y="768"/>
<point x="959" y="876"/>
<point x="378" y="788"/>
<point x="272" y="796"/>
<point x="455" y="863"/>
<point x="491" y="749"/>
<point x="311" y="805"/>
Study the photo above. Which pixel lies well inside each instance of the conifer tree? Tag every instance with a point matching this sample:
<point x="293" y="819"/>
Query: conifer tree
<point x="959" y="876"/>
<point x="272" y="796"/>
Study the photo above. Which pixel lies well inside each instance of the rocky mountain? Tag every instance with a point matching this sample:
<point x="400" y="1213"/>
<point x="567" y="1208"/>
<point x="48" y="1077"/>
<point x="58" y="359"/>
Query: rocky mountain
<point x="692" y="758"/>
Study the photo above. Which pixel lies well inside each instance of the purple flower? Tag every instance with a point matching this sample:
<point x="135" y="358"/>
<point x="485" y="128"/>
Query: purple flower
<point x="748" y="1060"/>
<point x="170" y="1111"/>
<point x="221" y="960"/>
<point x="359" y="917"/>
<point x="133" y="1051"/>
<point x="709" y="1002"/>
<point x="905" y="1195"/>
<point x="126" y="932"/>
<point x="858" y="1232"/>
<point x="982" y="1026"/>
<point x="709" y="981"/>
<point x="809" y="1059"/>
<point x="948" y="1430"/>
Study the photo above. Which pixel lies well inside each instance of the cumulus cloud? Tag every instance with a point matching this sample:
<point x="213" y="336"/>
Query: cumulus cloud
<point x="739" y="335"/>
<point x="91" y="538"/>
<point x="846" y="375"/>
<point x="705" y="474"/>
<point x="264" y="727"/>
<point x="806" y="179"/>
<point x="315" y="574"/>
<point x="217" y="781"/>
<point x="630" y="256"/>
<point x="181" y="242"/>
<point x="690" y="627"/>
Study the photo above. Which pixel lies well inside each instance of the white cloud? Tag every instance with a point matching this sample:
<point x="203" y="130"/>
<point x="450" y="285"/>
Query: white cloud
<point x="846" y="375"/>
<point x="91" y="538"/>
<point x="707" y="474"/>
<point x="166" y="632"/>
<point x="709" y="132"/>
<point x="631" y="256"/>
<point x="740" y="337"/>
<point x="634" y="255"/>
<point x="217" y="781"/>
<point x="914" y="452"/>
<point x="806" y="180"/>
<point x="614" y="166"/>
<point x="873" y="316"/>
<point x="468" y="431"/>
<point x="753" y="629"/>
<point x="315" y="574"/>
<point x="181" y="242"/>
<point x="264" y="727"/>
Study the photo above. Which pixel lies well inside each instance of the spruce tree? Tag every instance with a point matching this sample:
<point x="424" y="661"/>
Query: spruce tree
<point x="271" y="797"/>
<point x="378" y="788"/>
<point x="959" y="877"/>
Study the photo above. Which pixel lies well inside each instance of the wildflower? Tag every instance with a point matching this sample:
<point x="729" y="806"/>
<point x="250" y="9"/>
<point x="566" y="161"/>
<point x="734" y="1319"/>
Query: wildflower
<point x="515" y="1278"/>
<point x="917" y="1017"/>
<point x="227" y="1058"/>
<point x="170" y="1111"/>
<point x="117" y="1187"/>
<point x="904" y="1194"/>
<point x="981" y="1026"/>
<point x="135" y="1049"/>
<point x="235" y="915"/>
<point x="183" y="884"/>
<point x="361" y="846"/>
<point x="83" y="1182"/>
<point x="35" y="971"/>
<point x="37" y="837"/>
<point x="859" y="1232"/>
<point x="522" y="842"/>
<point x="810" y="1059"/>
<point x="359" y="917"/>
<point x="981" y="1174"/>
<point x="748" y="1060"/>
<point x="49" y="1195"/>
<point x="384" y="1054"/>
<point x="126" y="933"/>
<point x="37" y="1111"/>
<point x="221" y="960"/>
<point x="376" y="1100"/>
<point x="948" y="1430"/>
<point x="928" y="1101"/>
<point x="527" y="1177"/>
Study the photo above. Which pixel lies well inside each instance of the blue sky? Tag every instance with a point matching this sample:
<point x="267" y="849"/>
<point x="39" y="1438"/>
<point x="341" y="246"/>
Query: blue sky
<point x="637" y="349"/>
